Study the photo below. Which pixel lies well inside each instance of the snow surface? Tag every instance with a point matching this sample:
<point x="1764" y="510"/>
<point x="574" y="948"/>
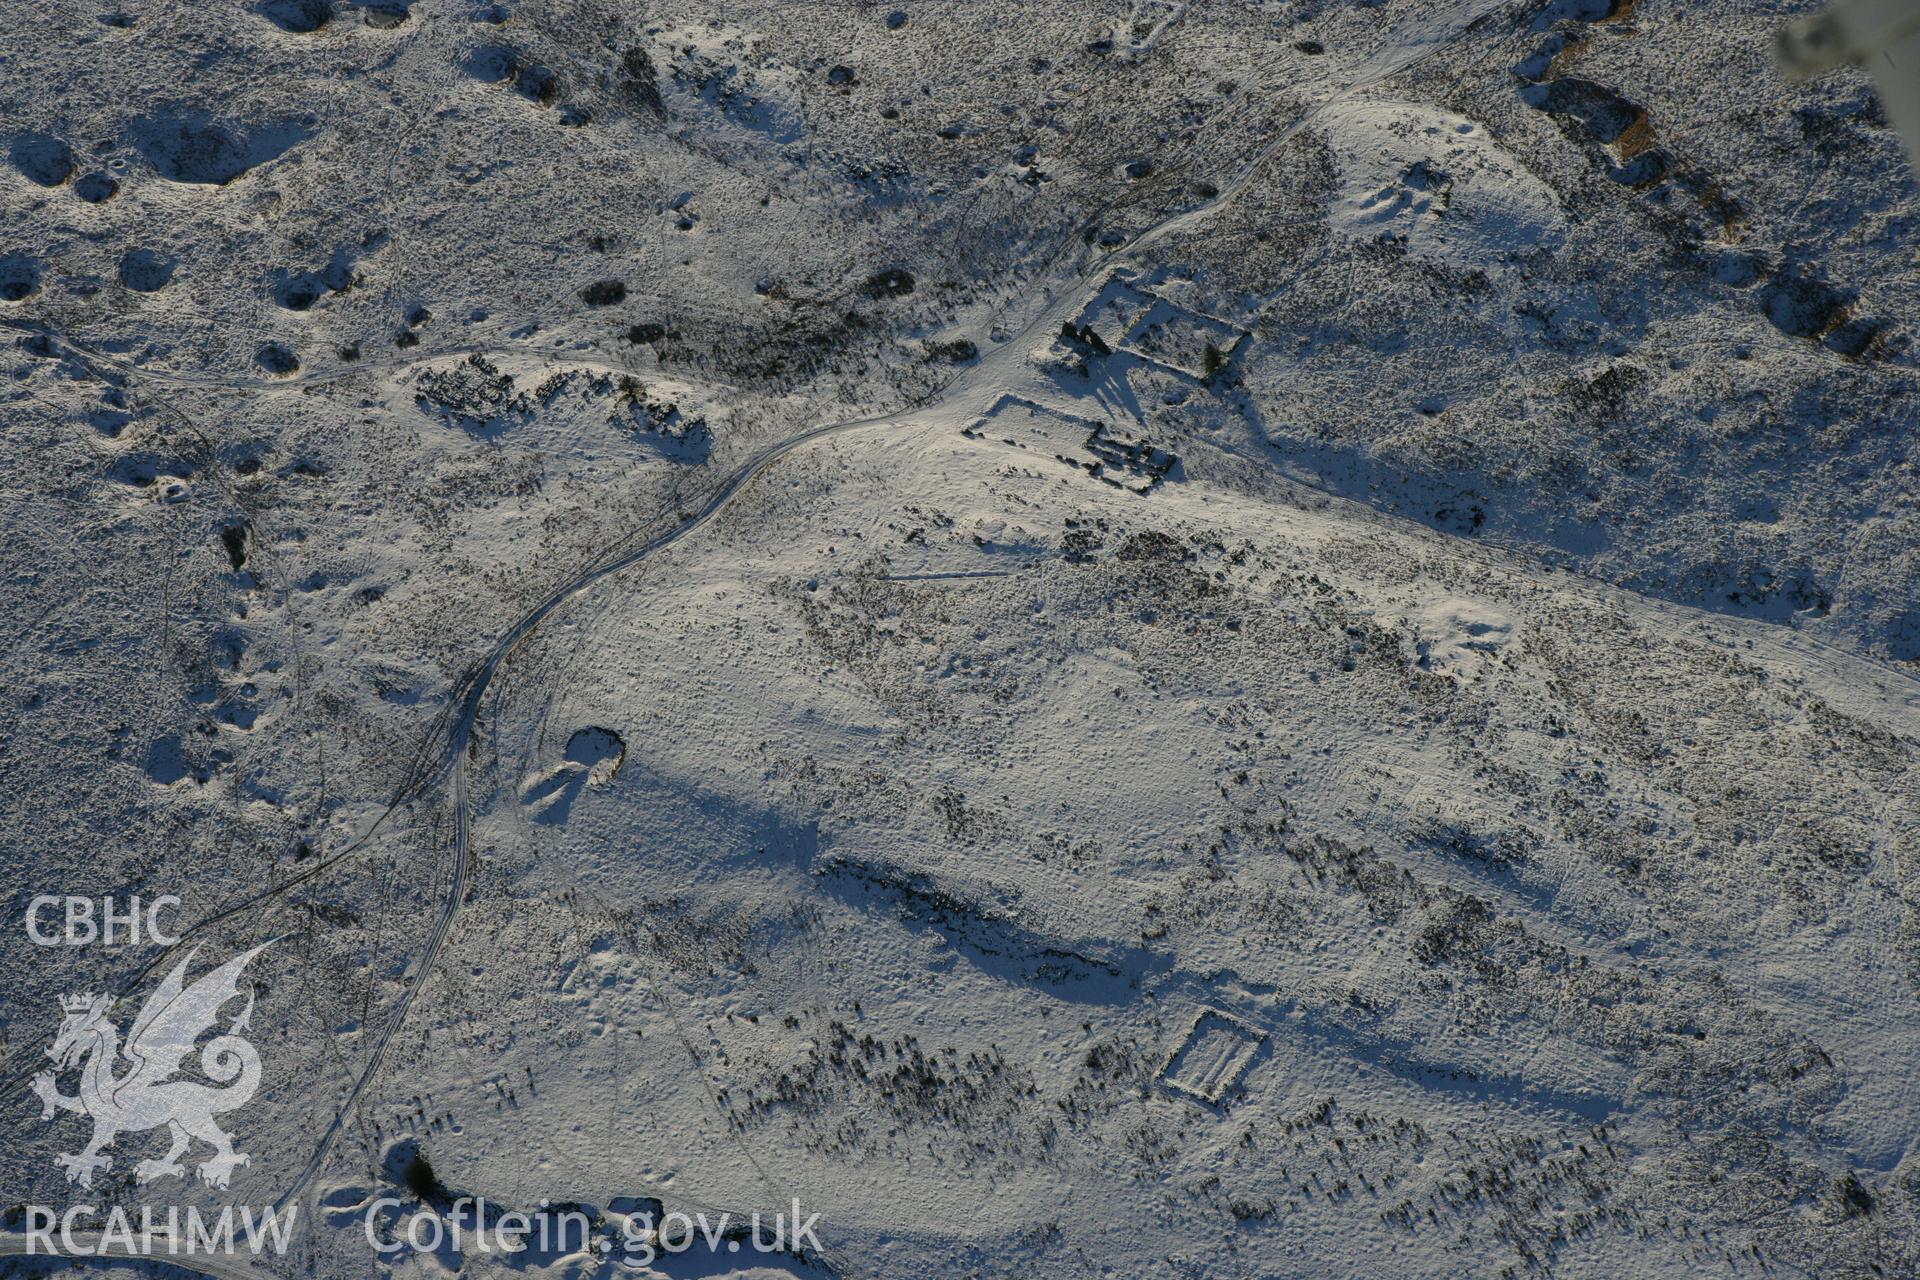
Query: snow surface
<point x="1150" y="639"/>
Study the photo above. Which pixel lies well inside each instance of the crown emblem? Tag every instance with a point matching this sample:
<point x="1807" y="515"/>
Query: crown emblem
<point x="79" y="1003"/>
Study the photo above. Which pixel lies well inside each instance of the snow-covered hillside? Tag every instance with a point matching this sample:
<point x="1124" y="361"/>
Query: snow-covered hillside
<point x="1124" y="638"/>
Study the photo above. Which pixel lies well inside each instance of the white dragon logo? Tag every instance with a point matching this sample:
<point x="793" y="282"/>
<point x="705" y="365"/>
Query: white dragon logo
<point x="145" y="1096"/>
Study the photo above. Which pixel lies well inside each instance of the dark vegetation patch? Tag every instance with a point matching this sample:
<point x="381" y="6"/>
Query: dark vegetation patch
<point x="236" y="539"/>
<point x="1153" y="547"/>
<point x="991" y="936"/>
<point x="537" y="83"/>
<point x="1830" y="128"/>
<point x="687" y="435"/>
<point x="297" y="292"/>
<point x="1855" y="1200"/>
<point x="1604" y="114"/>
<point x="421" y="1179"/>
<point x="1609" y="395"/>
<point x="1498" y="850"/>
<point x="892" y="283"/>
<point x="639" y="85"/>
<point x="604" y="293"/>
<point x="472" y="393"/>
<point x="277" y="359"/>
<point x="958" y="351"/>
<point x="1462" y="516"/>
<point x="404" y="1164"/>
<point x="1083" y="541"/>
